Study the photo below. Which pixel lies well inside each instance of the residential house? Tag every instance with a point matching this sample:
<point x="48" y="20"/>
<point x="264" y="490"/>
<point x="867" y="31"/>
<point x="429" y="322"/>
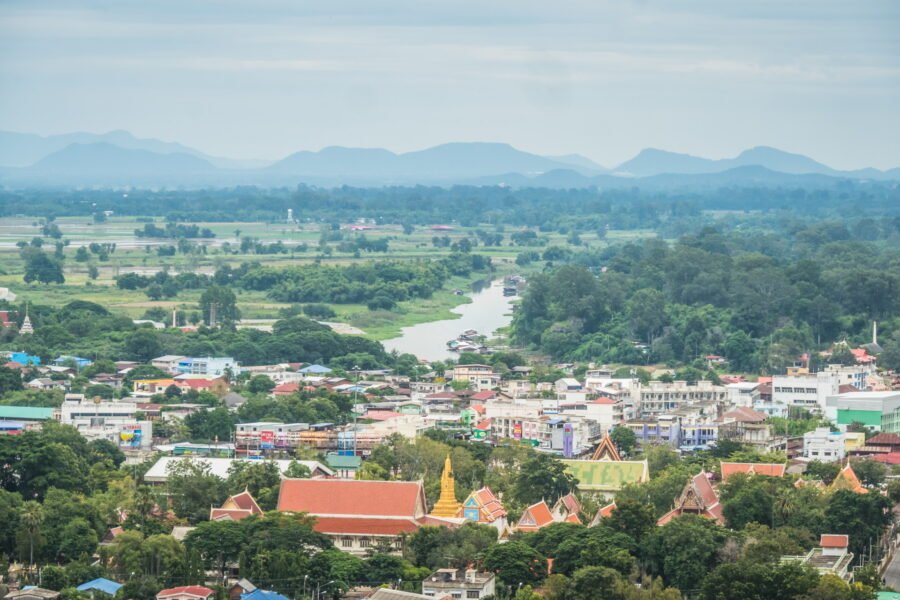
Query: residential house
<point x="32" y="593"/>
<point x="212" y="366"/>
<point x="239" y="588"/>
<point x="459" y="583"/>
<point x="824" y="445"/>
<point x="186" y="592"/>
<point x="168" y="363"/>
<point x="479" y="377"/>
<point x="831" y="557"/>
<point x="102" y="585"/>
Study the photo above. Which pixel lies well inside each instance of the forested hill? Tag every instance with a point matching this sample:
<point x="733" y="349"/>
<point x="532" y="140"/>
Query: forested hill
<point x="466" y="205"/>
<point x="759" y="300"/>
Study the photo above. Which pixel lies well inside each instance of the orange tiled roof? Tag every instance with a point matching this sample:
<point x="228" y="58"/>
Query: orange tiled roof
<point x="769" y="469"/>
<point x="228" y="514"/>
<point x="192" y="590"/>
<point x="830" y="540"/>
<point x="535" y="517"/>
<point x="698" y="497"/>
<point x="351" y="498"/>
<point x="365" y="526"/>
<point x="847" y="480"/>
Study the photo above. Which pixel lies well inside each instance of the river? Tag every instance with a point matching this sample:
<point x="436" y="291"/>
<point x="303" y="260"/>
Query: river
<point x="488" y="311"/>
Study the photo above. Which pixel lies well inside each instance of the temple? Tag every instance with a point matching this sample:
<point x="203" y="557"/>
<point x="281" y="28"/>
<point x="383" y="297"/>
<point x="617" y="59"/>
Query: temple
<point x="698" y="498"/>
<point x="606" y="473"/>
<point x="237" y="507"/>
<point x="847" y="480"/>
<point x="447" y="505"/>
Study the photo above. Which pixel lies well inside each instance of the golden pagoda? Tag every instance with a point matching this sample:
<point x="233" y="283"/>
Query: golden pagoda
<point x="447" y="506"/>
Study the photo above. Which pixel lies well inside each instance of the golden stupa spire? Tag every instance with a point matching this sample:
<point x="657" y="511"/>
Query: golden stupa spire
<point x="447" y="506"/>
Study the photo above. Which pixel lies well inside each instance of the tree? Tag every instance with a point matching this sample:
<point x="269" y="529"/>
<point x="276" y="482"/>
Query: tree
<point x="143" y="344"/>
<point x="261" y="479"/>
<point x="209" y="425"/>
<point x="870" y="473"/>
<point x="590" y="583"/>
<point x="633" y="518"/>
<point x="41" y="267"/>
<point x="193" y="489"/>
<point x="754" y="581"/>
<point x="624" y="438"/>
<point x="296" y="470"/>
<point x="221" y="303"/>
<point x="139" y="588"/>
<point x="10" y="380"/>
<point x="647" y="313"/>
<point x="78" y="539"/>
<point x="32" y="516"/>
<point x="684" y="550"/>
<point x="217" y="542"/>
<point x="10" y="514"/>
<point x="861" y="516"/>
<point x="260" y="384"/>
<point x="515" y="563"/>
<point x="826" y="471"/>
<point x="542" y="477"/>
<point x="93" y="272"/>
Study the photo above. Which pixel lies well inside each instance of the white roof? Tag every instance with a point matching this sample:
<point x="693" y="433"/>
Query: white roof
<point x="159" y="472"/>
<point x="168" y="358"/>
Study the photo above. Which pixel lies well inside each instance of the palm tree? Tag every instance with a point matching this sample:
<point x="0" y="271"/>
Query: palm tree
<point x="32" y="516"/>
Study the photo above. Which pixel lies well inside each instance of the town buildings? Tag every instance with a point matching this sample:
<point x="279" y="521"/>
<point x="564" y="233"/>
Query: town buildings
<point x="824" y="445"/>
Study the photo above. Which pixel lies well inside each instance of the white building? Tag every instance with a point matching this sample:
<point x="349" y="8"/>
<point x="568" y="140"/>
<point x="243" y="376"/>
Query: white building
<point x="168" y="363"/>
<point x="824" y="445"/>
<point x="807" y="391"/>
<point x="855" y="375"/>
<point x="211" y="366"/>
<point x="743" y="394"/>
<point x="459" y="583"/>
<point x="659" y="398"/>
<point x="113" y="421"/>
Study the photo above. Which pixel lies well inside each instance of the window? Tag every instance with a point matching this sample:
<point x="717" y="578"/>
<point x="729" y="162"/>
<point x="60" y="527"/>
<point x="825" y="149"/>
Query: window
<point x="473" y="594"/>
<point x="364" y="542"/>
<point x="346" y="542"/>
<point x="456" y="594"/>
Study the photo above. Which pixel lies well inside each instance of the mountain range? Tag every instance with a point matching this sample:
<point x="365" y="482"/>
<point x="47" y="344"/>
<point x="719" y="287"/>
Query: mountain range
<point x="118" y="158"/>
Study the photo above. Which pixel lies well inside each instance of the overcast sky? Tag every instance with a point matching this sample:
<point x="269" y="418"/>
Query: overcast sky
<point x="264" y="78"/>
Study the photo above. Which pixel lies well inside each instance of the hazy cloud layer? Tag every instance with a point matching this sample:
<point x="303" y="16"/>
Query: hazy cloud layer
<point x="263" y="78"/>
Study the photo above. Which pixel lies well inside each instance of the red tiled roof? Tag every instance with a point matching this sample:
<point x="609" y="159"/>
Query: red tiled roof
<point x="193" y="590"/>
<point x="484" y="424"/>
<point x="744" y="414"/>
<point x="14" y="365"/>
<point x="347" y="497"/>
<point x="246" y="501"/>
<point x="482" y="396"/>
<point x="381" y="415"/>
<point x="365" y="526"/>
<point x="884" y="439"/>
<point x="535" y="517"/>
<point x="830" y="540"/>
<point x="846" y="388"/>
<point x="764" y="379"/>
<point x="286" y="388"/>
<point x="490" y="504"/>
<point x="769" y="469"/>
<point x="891" y="458"/>
<point x="604" y="400"/>
<point x="607" y="510"/>
<point x="195" y="384"/>
<point x="571" y="503"/>
<point x="862" y="356"/>
<point x="479" y="408"/>
<point x="573" y="518"/>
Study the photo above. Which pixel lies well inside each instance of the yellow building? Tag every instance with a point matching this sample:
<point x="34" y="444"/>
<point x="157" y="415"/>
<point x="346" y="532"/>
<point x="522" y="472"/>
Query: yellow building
<point x="447" y="506"/>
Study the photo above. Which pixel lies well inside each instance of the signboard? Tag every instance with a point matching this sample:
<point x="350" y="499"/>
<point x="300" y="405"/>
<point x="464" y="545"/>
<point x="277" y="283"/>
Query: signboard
<point x="517" y="431"/>
<point x="568" y="440"/>
<point x="267" y="439"/>
<point x="131" y="436"/>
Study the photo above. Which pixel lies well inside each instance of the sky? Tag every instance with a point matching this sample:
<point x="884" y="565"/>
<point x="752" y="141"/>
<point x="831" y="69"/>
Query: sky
<point x="260" y="79"/>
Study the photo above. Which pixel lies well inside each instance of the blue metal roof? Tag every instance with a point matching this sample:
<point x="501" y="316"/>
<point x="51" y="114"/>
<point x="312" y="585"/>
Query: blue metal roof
<point x="258" y="594"/>
<point x="103" y="585"/>
<point x="315" y="369"/>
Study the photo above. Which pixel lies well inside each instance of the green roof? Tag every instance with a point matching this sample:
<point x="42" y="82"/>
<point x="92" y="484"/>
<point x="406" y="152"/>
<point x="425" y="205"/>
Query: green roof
<point x="605" y="475"/>
<point x="343" y="461"/>
<point x="26" y="413"/>
<point x="888" y="596"/>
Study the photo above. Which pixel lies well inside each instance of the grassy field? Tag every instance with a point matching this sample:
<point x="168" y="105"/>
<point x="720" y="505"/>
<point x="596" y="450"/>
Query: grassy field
<point x="133" y="254"/>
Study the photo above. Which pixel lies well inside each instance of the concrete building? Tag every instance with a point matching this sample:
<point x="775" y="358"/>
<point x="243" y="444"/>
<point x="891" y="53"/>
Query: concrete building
<point x="808" y="391"/>
<point x="824" y="445"/>
<point x="480" y="377"/>
<point x="212" y="366"/>
<point x="659" y="398"/>
<point x="744" y="393"/>
<point x="113" y="421"/>
<point x="459" y="583"/>
<point x="168" y="363"/>
<point x="879" y="411"/>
